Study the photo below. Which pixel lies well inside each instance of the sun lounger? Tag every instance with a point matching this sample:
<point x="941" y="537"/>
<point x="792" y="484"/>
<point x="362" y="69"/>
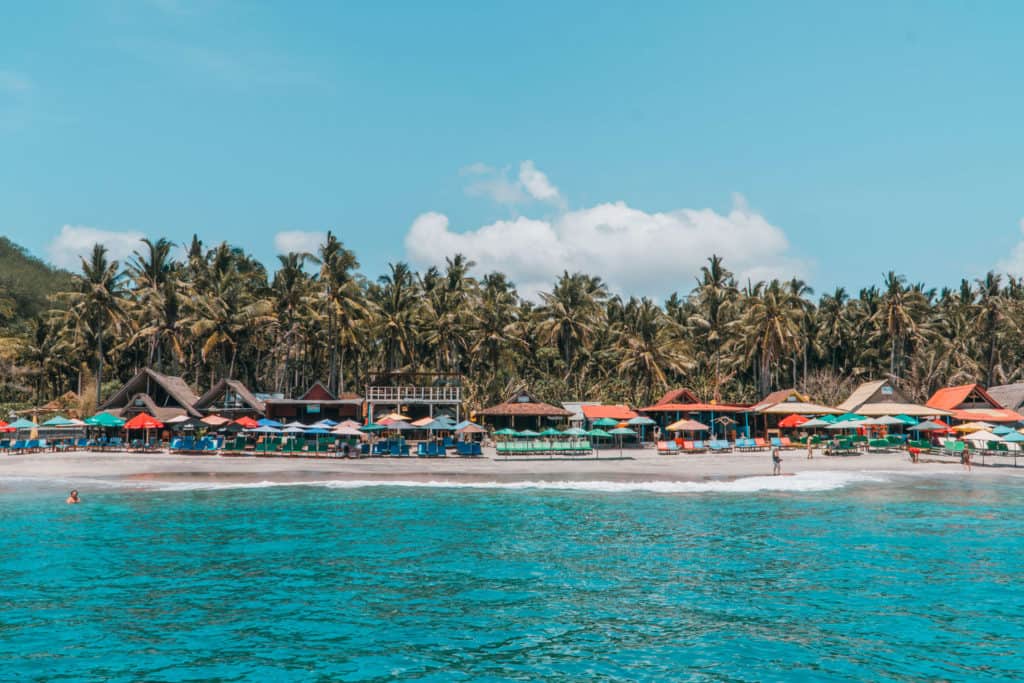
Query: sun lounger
<point x="667" y="448"/>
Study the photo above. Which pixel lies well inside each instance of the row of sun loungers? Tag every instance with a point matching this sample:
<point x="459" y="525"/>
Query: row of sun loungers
<point x="540" y="447"/>
<point x="742" y="444"/>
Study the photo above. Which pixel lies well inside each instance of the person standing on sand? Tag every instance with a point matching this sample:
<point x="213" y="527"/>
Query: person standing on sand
<point x="776" y="462"/>
<point x="965" y="459"/>
<point x="810" y="448"/>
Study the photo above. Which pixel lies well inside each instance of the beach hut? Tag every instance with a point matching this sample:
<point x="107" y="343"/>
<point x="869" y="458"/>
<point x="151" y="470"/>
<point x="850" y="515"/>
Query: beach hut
<point x="881" y="397"/>
<point x="677" y="404"/>
<point x="971" y="403"/>
<point x="154" y="393"/>
<point x="231" y="398"/>
<point x="523" y="409"/>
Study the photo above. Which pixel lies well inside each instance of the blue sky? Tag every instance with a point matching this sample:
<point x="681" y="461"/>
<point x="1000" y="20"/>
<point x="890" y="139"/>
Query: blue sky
<point x="631" y="139"/>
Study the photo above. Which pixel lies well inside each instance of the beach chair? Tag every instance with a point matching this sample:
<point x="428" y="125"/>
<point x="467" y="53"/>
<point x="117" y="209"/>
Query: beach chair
<point x="667" y="447"/>
<point x="879" y="445"/>
<point x="776" y="442"/>
<point x="5" y="444"/>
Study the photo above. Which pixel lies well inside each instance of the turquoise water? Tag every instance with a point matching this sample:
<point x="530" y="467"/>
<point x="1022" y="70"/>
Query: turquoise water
<point x="880" y="580"/>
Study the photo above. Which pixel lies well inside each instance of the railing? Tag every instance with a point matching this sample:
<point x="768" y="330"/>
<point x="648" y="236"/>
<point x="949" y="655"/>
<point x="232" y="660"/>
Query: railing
<point x="410" y="394"/>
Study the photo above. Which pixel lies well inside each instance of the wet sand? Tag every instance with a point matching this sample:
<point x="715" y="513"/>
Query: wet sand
<point x="636" y="466"/>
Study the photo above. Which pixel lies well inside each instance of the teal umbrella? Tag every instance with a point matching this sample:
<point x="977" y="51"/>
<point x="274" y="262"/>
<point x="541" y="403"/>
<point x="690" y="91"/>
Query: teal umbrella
<point x="622" y="431"/>
<point x="605" y="422"/>
<point x="104" y="420"/>
<point x="22" y="423"/>
<point x="831" y="419"/>
<point x="528" y="433"/>
<point x="599" y="433"/>
<point x="575" y="431"/>
<point x="1002" y="430"/>
<point x="551" y="431"/>
<point x="372" y="427"/>
<point x="850" y="417"/>
<point x="507" y="431"/>
<point x="906" y="419"/>
<point x="58" y="421"/>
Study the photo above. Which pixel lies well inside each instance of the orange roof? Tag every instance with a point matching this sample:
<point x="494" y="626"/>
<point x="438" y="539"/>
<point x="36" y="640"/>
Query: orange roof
<point x="693" y="408"/>
<point x="951" y="397"/>
<point x="618" y="412"/>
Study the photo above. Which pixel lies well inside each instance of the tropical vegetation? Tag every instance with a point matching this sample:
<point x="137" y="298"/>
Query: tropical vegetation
<point x="218" y="312"/>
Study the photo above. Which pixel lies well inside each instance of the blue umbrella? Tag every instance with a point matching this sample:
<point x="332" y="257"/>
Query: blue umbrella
<point x="264" y="429"/>
<point x="267" y="422"/>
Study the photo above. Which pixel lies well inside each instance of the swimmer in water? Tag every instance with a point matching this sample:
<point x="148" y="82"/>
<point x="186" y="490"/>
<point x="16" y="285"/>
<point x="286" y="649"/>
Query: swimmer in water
<point x="73" y="498"/>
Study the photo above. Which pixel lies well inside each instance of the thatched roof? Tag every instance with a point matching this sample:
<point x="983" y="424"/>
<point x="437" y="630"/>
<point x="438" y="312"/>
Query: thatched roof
<point x="523" y="403"/>
<point x="178" y="395"/>
<point x="1008" y="395"/>
<point x="208" y="400"/>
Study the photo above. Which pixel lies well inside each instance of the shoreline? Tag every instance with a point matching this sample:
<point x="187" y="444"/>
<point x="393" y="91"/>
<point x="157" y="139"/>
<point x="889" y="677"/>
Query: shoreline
<point x="644" y="467"/>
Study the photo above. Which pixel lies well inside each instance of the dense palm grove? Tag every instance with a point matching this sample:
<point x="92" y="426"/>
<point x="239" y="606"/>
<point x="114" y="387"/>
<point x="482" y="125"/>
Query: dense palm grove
<point x="219" y="312"/>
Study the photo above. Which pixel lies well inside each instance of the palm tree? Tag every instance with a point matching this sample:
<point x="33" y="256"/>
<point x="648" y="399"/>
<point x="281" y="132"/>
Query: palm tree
<point x="768" y="330"/>
<point x="342" y="301"/>
<point x="96" y="306"/>
<point x="571" y="315"/>
<point x="397" y="308"/>
<point x="651" y="348"/>
<point x="714" y="300"/>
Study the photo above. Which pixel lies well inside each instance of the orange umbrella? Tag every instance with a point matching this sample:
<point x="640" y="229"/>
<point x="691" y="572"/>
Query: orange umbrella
<point x="247" y="422"/>
<point x="143" y="421"/>
<point x="792" y="421"/>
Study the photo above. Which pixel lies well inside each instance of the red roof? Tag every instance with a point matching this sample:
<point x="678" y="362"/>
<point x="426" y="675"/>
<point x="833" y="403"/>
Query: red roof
<point x="618" y="412"/>
<point x="983" y="415"/>
<point x="950" y="398"/>
<point x="693" y="408"/>
<point x="678" y="396"/>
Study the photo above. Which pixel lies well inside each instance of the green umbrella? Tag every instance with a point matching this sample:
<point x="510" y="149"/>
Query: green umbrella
<point x="507" y="431"/>
<point x="575" y="431"/>
<point x="831" y="419"/>
<point x="551" y="431"/>
<point x="599" y="433"/>
<point x="372" y="427"/>
<point x="528" y="432"/>
<point x="105" y="420"/>
<point x="58" y="421"/>
<point x="850" y="417"/>
<point x="22" y="423"/>
<point x="605" y="422"/>
<point x="906" y="419"/>
<point x="622" y="431"/>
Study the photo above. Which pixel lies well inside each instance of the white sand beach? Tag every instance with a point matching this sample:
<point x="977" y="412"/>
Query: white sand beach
<point x="637" y="466"/>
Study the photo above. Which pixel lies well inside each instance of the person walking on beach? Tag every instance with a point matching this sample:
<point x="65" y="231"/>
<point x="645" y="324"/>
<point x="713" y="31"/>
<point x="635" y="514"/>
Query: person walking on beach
<point x="776" y="462"/>
<point x="73" y="498"/>
<point x="965" y="459"/>
<point x="810" y="448"/>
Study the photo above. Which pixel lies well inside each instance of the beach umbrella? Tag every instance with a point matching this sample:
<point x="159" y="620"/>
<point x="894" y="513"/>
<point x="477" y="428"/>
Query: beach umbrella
<point x="687" y="426"/>
<point x="529" y="433"/>
<point x="296" y="423"/>
<point x="906" y="419"/>
<point x="507" y="431"/>
<point x="400" y="426"/>
<point x="605" y="422"/>
<point x="599" y="433"/>
<point x="267" y="422"/>
<point x="792" y="421"/>
<point x="1014" y="437"/>
<point x="422" y="422"/>
<point x="350" y="423"/>
<point x="325" y="423"/>
<point x="75" y="422"/>
<point x="343" y="430"/>
<point x="22" y="424"/>
<point x="291" y="429"/>
<point x="845" y="424"/>
<point x="831" y="419"/>
<point x="183" y="422"/>
<point x="930" y="426"/>
<point x="439" y="426"/>
<point x="104" y="420"/>
<point x="982" y="435"/>
<point x="551" y="431"/>
<point x="264" y="429"/>
<point x="816" y="423"/>
<point x="372" y="427"/>
<point x="640" y="420"/>
<point x="246" y="422"/>
<point x="575" y="431"/>
<point x="394" y="417"/>
<point x="214" y="421"/>
<point x="143" y="421"/>
<point x="622" y="431"/>
<point x="889" y="421"/>
<point x="317" y="430"/>
<point x="471" y="428"/>
<point x="850" y="416"/>
<point x="1002" y="430"/>
<point x="972" y="427"/>
<point x="57" y="421"/>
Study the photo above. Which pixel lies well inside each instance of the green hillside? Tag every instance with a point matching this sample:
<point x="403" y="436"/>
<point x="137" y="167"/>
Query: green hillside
<point x="25" y="283"/>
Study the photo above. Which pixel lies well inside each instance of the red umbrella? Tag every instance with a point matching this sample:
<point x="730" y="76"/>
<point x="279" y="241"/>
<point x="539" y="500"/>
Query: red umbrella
<point x="143" y="421"/>
<point x="791" y="421"/>
<point x="247" y="422"/>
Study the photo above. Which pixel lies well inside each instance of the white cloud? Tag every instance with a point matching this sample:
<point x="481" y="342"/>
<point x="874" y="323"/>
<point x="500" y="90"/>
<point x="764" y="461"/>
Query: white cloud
<point x="636" y="252"/>
<point x="76" y="241"/>
<point x="499" y="185"/>
<point x="300" y="241"/>
<point x="536" y="183"/>
<point x="1014" y="261"/>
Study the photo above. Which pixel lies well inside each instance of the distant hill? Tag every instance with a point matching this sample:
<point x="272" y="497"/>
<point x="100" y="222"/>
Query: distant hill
<point x="25" y="283"/>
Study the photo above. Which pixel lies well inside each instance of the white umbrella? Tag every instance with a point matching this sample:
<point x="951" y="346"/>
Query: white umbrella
<point x="346" y="431"/>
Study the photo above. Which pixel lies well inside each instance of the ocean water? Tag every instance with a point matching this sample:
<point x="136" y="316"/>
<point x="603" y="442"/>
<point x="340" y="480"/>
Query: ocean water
<point x="814" y="577"/>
